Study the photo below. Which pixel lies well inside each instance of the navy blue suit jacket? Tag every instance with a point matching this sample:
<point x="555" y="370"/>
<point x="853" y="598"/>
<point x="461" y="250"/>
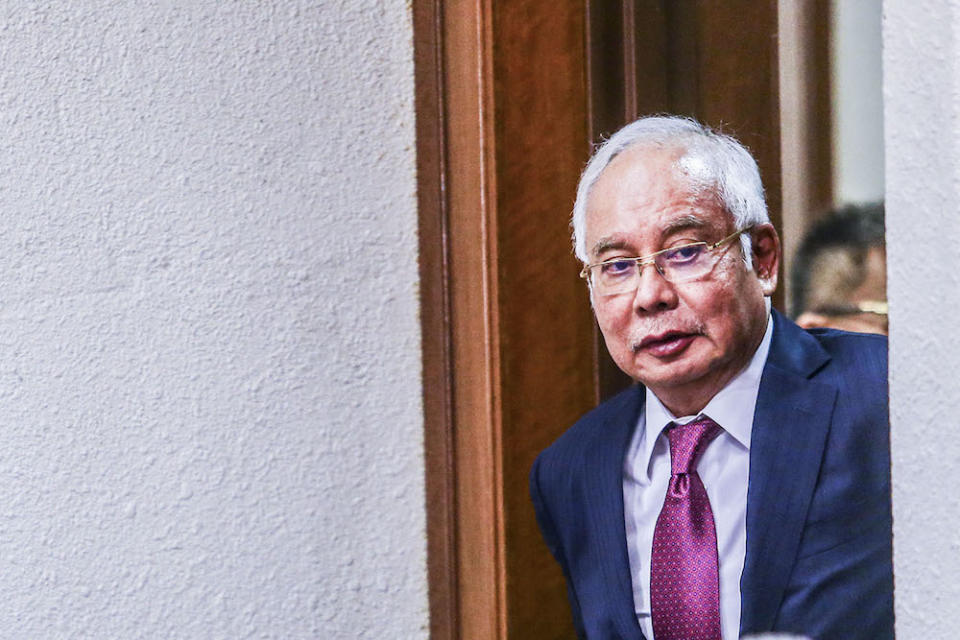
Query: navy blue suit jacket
<point x="819" y="557"/>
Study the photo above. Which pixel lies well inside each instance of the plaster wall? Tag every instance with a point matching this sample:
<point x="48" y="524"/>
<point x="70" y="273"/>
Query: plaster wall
<point x="210" y="371"/>
<point x="922" y="123"/>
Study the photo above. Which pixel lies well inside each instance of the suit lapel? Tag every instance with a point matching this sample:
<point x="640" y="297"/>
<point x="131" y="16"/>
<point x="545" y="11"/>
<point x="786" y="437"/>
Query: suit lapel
<point x="790" y="428"/>
<point x="604" y="460"/>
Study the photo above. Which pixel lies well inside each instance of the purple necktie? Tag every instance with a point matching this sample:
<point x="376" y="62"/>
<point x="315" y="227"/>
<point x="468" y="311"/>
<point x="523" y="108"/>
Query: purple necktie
<point x="684" y="578"/>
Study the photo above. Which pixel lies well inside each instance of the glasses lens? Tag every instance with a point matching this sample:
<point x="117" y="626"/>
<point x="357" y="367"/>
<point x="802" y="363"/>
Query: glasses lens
<point x="685" y="263"/>
<point x="614" y="277"/>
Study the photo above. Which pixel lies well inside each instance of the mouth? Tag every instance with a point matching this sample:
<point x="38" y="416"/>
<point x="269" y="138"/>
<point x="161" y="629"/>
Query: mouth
<point x="664" y="345"/>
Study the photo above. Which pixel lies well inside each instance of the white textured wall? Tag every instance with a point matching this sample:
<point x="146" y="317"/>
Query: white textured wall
<point x="210" y="420"/>
<point x="922" y="115"/>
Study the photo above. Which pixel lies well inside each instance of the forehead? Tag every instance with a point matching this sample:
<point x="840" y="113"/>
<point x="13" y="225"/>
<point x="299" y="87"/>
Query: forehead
<point x="646" y="195"/>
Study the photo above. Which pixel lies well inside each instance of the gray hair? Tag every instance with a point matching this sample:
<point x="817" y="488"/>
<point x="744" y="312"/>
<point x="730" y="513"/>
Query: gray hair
<point x="711" y="160"/>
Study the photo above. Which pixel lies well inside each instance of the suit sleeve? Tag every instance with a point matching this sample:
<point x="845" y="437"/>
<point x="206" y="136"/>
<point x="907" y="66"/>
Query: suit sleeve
<point x="549" y="533"/>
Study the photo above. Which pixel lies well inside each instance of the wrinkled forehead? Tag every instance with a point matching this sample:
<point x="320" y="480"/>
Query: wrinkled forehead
<point x="645" y="200"/>
<point x="694" y="164"/>
<point x="681" y="165"/>
<point x="699" y="169"/>
<point x="650" y="173"/>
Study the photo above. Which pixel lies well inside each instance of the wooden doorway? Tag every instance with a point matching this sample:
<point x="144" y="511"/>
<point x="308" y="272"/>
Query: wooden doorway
<point x="510" y="98"/>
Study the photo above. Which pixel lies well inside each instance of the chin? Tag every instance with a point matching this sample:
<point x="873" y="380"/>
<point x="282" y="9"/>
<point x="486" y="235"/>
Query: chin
<point x="669" y="375"/>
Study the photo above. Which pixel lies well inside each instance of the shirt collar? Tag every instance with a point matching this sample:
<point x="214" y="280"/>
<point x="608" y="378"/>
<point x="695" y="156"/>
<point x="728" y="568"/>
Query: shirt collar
<point x="732" y="407"/>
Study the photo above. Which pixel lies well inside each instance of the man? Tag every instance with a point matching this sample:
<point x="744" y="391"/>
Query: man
<point x="839" y="277"/>
<point x="743" y="485"/>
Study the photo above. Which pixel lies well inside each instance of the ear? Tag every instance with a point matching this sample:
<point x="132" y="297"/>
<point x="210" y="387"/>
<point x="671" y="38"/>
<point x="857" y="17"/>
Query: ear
<point x="765" y="246"/>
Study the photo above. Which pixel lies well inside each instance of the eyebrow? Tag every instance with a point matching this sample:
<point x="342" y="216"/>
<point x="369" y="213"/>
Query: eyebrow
<point x="609" y="244"/>
<point x="683" y="223"/>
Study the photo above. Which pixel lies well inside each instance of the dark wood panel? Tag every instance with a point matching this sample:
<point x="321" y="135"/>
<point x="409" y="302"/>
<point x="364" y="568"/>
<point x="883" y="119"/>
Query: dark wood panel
<point x="684" y="57"/>
<point x="544" y="315"/>
<point x="820" y="136"/>
<point x="607" y="66"/>
<point x="651" y="59"/>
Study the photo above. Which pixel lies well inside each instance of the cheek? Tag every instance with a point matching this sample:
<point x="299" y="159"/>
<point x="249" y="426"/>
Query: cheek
<point x="717" y="310"/>
<point x="707" y="301"/>
<point x="615" y="332"/>
<point x="615" y="325"/>
<point x="732" y="319"/>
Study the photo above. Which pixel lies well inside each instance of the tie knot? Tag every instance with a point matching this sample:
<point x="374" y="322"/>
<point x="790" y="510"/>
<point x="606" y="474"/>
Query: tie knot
<point x="688" y="442"/>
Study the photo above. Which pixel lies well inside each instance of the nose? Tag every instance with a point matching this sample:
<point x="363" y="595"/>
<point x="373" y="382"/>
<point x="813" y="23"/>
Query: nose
<point x="653" y="292"/>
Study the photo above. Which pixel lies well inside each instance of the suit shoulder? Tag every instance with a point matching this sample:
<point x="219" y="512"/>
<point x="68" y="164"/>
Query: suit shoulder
<point x="848" y="338"/>
<point x="868" y="350"/>
<point x="857" y="366"/>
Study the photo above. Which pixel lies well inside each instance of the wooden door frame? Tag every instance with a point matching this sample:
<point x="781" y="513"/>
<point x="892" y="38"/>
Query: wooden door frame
<point x="485" y="413"/>
<point x="435" y="320"/>
<point x="452" y="69"/>
<point x="481" y="166"/>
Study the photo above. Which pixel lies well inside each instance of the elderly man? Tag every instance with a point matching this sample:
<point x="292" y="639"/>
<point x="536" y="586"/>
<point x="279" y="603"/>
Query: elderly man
<point x="743" y="485"/>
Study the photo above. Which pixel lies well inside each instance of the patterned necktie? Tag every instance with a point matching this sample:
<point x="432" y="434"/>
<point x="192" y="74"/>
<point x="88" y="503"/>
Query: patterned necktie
<point x="684" y="578"/>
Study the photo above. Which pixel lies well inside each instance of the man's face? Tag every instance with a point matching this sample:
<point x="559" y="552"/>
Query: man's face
<point x="684" y="341"/>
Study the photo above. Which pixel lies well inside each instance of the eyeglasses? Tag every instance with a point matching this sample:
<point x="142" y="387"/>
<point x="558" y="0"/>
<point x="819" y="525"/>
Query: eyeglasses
<point x="676" y="264"/>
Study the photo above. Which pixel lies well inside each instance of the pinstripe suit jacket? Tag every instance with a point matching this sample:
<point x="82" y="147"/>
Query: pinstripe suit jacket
<point x="818" y="558"/>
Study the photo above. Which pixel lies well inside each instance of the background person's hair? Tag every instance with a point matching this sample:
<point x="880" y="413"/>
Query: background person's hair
<point x="711" y="160"/>
<point x="851" y="230"/>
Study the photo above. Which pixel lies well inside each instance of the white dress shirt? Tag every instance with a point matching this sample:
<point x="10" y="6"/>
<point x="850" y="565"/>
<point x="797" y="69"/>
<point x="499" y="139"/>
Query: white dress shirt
<point x="725" y="471"/>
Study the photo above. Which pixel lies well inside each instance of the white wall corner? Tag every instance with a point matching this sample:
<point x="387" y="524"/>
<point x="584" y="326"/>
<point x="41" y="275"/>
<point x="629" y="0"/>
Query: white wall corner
<point x="922" y="137"/>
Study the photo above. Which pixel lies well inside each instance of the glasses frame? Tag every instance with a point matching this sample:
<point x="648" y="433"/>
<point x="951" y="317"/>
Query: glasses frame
<point x="643" y="261"/>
